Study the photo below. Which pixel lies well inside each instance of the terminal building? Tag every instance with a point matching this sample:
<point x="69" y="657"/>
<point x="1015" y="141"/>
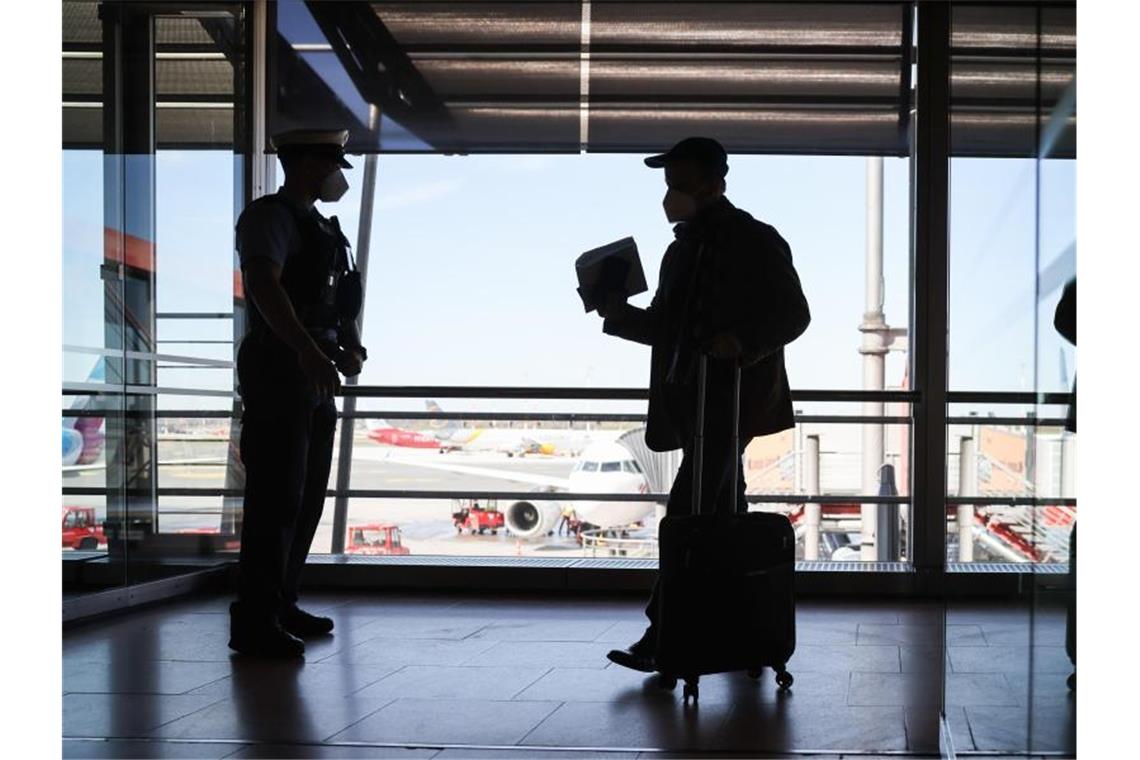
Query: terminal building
<point x="490" y="528"/>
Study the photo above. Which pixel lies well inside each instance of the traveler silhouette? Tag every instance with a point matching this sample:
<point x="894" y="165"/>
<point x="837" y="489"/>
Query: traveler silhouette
<point x="305" y="297"/>
<point x="1065" y="322"/>
<point x="727" y="287"/>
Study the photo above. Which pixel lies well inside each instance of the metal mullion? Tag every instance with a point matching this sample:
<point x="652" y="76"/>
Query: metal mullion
<point x="194" y="315"/>
<point x="929" y="265"/>
<point x="348" y="414"/>
<point x="930" y="201"/>
<point x="1008" y="397"/>
<point x="1012" y="501"/>
<point x="1030" y="421"/>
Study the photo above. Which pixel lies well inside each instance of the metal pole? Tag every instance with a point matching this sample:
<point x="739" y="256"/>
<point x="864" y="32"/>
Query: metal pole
<point x="1068" y="466"/>
<point x="874" y="350"/>
<point x="967" y="486"/>
<point x="813" y="513"/>
<point x="930" y="185"/>
<point x="887" y="537"/>
<point x="930" y="194"/>
<point x="347" y="424"/>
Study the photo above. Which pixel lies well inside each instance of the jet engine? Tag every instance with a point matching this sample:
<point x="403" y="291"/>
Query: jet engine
<point x="533" y="518"/>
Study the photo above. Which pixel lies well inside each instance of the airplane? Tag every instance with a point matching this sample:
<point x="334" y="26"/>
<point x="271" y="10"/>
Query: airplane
<point x="604" y="467"/>
<point x="447" y="436"/>
<point x="388" y="434"/>
<point x="83" y="437"/>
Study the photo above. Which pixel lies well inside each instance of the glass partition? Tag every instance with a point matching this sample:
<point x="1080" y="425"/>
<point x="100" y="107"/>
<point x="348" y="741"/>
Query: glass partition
<point x="1011" y="456"/>
<point x="153" y="108"/>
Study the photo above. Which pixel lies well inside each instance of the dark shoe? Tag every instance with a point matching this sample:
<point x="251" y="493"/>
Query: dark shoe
<point x="300" y="623"/>
<point x="639" y="655"/>
<point x="261" y="635"/>
<point x="632" y="659"/>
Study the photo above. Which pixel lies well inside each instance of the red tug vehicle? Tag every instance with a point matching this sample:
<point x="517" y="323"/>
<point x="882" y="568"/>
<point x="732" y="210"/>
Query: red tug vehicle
<point x="375" y="538"/>
<point x="475" y="519"/>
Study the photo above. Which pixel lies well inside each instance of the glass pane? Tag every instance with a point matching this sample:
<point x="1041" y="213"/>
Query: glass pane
<point x="1051" y="689"/>
<point x="1011" y="460"/>
<point x="92" y="401"/>
<point x="148" y="247"/>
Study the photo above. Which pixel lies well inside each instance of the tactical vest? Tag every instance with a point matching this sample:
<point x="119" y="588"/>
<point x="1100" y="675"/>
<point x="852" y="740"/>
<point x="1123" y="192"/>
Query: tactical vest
<point x="321" y="279"/>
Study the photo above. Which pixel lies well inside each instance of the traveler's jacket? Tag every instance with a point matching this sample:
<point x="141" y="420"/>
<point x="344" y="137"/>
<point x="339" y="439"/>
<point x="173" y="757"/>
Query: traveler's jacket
<point x="725" y="272"/>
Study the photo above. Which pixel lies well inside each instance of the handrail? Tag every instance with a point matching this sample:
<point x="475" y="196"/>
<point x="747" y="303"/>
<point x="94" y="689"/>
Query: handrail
<point x="397" y="414"/>
<point x="571" y="393"/>
<point x="484" y="392"/>
<point x="1007" y="397"/>
<point x="381" y="493"/>
<point x="475" y="416"/>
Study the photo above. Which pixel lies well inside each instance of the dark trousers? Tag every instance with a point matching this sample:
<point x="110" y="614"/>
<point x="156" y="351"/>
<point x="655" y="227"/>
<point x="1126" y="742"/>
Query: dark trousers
<point x="715" y="486"/>
<point x="286" y="447"/>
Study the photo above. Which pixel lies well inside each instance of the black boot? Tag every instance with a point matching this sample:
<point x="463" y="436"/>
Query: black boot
<point x="302" y="624"/>
<point x="259" y="634"/>
<point x="638" y="656"/>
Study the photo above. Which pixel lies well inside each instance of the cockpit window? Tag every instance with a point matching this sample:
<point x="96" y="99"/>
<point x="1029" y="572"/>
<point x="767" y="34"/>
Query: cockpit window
<point x="631" y="466"/>
<point x="611" y="467"/>
<point x="589" y="467"/>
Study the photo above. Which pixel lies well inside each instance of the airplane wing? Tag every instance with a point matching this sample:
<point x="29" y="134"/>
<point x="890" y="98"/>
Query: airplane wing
<point x="548" y="481"/>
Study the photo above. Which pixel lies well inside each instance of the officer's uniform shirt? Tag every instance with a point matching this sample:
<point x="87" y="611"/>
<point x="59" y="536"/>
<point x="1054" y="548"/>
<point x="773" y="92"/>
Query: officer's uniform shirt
<point x="269" y="230"/>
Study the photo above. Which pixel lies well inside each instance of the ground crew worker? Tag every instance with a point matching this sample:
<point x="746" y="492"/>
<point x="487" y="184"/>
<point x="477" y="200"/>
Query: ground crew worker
<point x="304" y="296"/>
<point x="727" y="288"/>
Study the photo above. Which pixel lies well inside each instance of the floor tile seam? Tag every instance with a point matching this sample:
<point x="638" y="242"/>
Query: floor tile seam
<point x="395" y="638"/>
<point x="514" y="697"/>
<point x="207" y="706"/>
<point x="557" y="706"/>
<point x="384" y="677"/>
<point x="362" y="718"/>
<point x="598" y="640"/>
<point x="906" y="730"/>
<point x="208" y="683"/>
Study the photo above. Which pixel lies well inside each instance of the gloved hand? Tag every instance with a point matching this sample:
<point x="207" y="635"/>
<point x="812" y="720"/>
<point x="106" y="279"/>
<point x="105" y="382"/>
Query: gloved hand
<point x="349" y="362"/>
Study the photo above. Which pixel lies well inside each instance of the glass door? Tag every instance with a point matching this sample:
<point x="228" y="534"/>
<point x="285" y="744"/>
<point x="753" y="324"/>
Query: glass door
<point x="154" y="120"/>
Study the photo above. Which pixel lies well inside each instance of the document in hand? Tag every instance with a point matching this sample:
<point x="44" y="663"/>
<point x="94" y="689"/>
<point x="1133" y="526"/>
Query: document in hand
<point x="615" y="266"/>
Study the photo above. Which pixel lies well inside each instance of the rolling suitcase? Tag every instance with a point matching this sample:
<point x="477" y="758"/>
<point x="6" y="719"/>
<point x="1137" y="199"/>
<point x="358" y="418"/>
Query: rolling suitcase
<point x="726" y="599"/>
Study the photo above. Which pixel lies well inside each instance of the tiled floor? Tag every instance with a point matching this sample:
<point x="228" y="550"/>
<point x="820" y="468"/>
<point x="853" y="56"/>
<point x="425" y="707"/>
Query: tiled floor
<point x="450" y="677"/>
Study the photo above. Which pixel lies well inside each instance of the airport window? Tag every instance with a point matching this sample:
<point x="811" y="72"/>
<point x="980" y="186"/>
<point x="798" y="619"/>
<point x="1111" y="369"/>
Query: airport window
<point x="1012" y="250"/>
<point x="471" y="284"/>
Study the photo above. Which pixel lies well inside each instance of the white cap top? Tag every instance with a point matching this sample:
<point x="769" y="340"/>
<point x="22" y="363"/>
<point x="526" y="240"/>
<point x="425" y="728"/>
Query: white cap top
<point x="333" y="138"/>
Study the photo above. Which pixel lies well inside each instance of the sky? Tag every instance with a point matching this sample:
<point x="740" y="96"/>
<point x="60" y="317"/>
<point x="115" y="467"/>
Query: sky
<point x="471" y="277"/>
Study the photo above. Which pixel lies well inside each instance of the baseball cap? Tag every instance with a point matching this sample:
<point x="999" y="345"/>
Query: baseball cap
<point x="701" y="150"/>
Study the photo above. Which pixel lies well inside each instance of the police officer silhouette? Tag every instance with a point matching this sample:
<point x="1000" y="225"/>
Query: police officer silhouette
<point x="305" y="294"/>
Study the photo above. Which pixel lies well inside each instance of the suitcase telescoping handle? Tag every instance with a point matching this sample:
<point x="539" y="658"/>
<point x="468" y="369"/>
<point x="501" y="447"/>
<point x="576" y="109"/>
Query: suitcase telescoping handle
<point x="699" y="434"/>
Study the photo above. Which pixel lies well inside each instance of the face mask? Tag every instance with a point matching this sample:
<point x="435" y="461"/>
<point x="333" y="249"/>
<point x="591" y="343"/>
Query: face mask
<point x="333" y="188"/>
<point x="679" y="207"/>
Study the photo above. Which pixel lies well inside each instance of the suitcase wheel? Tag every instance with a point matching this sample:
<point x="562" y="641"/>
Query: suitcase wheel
<point x="754" y="673"/>
<point x="691" y="690"/>
<point x="784" y="679"/>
